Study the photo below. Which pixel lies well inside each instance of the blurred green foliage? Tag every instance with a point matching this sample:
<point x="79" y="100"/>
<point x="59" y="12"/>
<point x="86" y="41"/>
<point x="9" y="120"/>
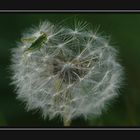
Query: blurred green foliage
<point x="125" y="35"/>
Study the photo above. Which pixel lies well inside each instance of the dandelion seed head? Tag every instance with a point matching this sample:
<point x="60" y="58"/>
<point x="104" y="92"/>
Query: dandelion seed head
<point x="76" y="74"/>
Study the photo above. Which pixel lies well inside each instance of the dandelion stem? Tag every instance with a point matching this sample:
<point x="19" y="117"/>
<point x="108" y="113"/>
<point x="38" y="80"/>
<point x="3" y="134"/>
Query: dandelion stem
<point x="66" y="122"/>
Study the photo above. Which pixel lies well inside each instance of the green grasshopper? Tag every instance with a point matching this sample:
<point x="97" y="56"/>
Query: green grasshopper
<point x="36" y="43"/>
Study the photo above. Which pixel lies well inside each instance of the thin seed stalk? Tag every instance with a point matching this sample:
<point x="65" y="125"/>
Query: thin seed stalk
<point x="66" y="121"/>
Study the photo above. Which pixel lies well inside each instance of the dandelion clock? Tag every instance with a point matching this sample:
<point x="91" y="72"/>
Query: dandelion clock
<point x="65" y="71"/>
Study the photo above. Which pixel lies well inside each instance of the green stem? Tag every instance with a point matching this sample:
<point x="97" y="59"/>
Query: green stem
<point x="67" y="122"/>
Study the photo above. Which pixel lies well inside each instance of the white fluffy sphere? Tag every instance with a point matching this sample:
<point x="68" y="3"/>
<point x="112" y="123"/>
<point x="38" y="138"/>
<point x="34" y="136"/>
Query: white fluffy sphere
<point x="72" y="72"/>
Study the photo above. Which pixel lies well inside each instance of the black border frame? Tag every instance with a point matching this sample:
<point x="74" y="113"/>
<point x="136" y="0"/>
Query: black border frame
<point x="70" y="5"/>
<point x="12" y="6"/>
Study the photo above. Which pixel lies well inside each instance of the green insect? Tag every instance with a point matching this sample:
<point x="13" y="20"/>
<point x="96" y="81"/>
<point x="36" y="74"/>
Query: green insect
<point x="37" y="43"/>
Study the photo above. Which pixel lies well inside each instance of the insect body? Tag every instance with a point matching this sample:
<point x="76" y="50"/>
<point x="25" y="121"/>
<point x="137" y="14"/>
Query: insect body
<point x="36" y="43"/>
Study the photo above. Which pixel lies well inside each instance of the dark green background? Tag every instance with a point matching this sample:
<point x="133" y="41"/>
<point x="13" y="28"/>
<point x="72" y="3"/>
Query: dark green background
<point x="124" y="29"/>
